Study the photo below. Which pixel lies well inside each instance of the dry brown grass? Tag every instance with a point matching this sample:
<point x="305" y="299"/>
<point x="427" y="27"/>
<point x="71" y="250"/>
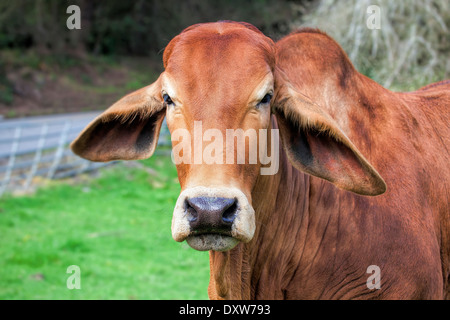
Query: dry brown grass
<point x="410" y="49"/>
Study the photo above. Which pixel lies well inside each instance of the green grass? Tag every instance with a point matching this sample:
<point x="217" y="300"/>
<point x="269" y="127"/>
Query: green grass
<point x="115" y="227"/>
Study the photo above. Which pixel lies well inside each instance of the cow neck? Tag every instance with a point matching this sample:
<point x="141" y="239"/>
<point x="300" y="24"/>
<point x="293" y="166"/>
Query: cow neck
<point x="279" y="201"/>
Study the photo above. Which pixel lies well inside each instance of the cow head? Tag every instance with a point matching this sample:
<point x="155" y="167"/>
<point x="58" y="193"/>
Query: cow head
<point x="221" y="79"/>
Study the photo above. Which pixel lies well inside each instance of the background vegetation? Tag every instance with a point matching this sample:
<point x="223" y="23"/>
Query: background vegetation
<point x="116" y="225"/>
<point x="120" y="44"/>
<point x="47" y="68"/>
<point x="137" y="27"/>
<point x="410" y="49"/>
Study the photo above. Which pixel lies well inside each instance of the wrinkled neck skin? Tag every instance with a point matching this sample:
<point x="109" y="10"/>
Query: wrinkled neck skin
<point x="242" y="265"/>
<point x="315" y="241"/>
<point x="297" y="237"/>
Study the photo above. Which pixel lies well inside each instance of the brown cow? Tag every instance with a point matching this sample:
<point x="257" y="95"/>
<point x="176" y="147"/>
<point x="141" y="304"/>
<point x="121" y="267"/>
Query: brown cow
<point x="293" y="234"/>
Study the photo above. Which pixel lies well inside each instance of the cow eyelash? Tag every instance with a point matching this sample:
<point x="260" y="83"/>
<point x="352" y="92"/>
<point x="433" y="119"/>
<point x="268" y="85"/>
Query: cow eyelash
<point x="265" y="100"/>
<point x="167" y="100"/>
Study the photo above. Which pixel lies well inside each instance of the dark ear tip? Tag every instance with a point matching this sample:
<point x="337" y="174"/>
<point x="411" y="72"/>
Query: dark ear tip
<point x="75" y="147"/>
<point x="382" y="188"/>
<point x="378" y="184"/>
<point x="80" y="148"/>
<point x="374" y="189"/>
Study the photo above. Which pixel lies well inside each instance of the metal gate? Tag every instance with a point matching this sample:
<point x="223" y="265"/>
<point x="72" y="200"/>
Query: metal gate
<point x="39" y="147"/>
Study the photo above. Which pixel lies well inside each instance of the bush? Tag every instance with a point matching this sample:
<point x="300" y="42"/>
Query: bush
<point x="6" y="87"/>
<point x="128" y="27"/>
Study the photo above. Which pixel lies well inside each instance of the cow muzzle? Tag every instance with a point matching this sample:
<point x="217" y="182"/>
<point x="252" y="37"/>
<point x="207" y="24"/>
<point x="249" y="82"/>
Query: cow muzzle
<point x="213" y="218"/>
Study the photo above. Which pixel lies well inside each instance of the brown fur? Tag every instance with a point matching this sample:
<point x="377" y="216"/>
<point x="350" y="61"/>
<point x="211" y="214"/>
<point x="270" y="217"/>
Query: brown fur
<point x="315" y="241"/>
<point x="312" y="239"/>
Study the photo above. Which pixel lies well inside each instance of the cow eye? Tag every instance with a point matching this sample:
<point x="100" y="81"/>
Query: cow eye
<point x="265" y="100"/>
<point x="167" y="100"/>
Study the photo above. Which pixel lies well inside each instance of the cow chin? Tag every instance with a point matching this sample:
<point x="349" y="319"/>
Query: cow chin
<point x="242" y="228"/>
<point x="211" y="241"/>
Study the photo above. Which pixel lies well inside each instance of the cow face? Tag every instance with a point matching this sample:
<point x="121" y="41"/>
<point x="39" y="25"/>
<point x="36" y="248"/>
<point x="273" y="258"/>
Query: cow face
<point x="207" y="97"/>
<point x="218" y="91"/>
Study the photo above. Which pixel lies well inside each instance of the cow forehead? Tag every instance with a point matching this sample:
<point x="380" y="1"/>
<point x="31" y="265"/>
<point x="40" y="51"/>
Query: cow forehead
<point x="219" y="39"/>
<point x="211" y="56"/>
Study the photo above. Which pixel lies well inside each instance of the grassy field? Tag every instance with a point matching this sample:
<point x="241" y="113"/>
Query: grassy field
<point x="115" y="227"/>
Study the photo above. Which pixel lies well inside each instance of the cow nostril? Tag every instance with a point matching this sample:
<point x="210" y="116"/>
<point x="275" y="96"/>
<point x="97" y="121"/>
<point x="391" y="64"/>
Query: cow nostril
<point x="211" y="214"/>
<point x="230" y="213"/>
<point x="192" y="214"/>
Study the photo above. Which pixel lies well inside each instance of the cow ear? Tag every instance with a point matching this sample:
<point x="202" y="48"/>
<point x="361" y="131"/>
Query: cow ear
<point x="128" y="130"/>
<point x="316" y="145"/>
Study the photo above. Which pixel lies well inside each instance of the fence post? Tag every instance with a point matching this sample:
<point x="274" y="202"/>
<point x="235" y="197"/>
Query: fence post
<point x="12" y="158"/>
<point x="59" y="152"/>
<point x="37" y="157"/>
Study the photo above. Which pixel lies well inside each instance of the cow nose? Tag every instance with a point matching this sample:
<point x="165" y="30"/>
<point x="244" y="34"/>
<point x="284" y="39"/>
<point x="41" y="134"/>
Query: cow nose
<point x="211" y="214"/>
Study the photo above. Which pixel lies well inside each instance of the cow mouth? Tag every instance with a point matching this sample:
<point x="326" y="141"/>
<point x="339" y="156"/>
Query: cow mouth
<point x="211" y="241"/>
<point x="213" y="236"/>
